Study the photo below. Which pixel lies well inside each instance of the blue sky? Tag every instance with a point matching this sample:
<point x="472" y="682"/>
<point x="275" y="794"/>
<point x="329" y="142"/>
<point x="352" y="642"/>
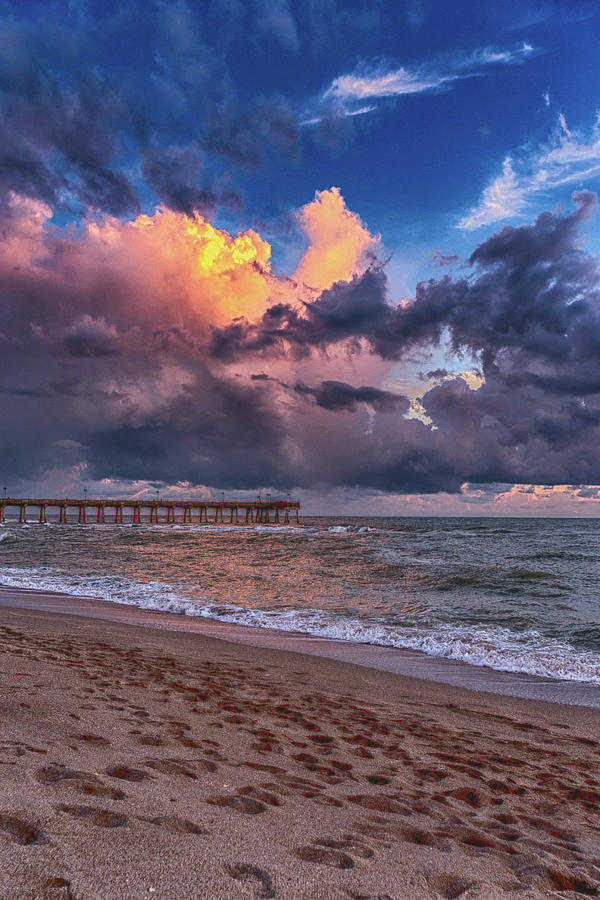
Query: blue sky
<point x="399" y="138"/>
<point x="451" y="97"/>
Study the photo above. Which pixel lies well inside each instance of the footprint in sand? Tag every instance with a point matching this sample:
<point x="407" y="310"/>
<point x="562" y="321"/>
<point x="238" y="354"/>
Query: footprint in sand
<point x="349" y="843"/>
<point x="93" y="815"/>
<point x="449" y="885"/>
<point x="83" y="782"/>
<point x="338" y="853"/>
<point x="245" y="805"/>
<point x="380" y="803"/>
<point x="19" y="831"/>
<point x="354" y="896"/>
<point x="259" y="794"/>
<point x="171" y="767"/>
<point x="50" y="889"/>
<point x="259" y="881"/>
<point x="325" y="856"/>
<point x="150" y="740"/>
<point x="177" y="826"/>
<point x="126" y="774"/>
<point x="571" y="881"/>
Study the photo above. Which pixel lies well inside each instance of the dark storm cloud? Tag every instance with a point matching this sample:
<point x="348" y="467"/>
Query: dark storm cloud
<point x="217" y="432"/>
<point x="348" y="311"/>
<point x="109" y="366"/>
<point x="434" y="375"/>
<point x="132" y="405"/>
<point x="56" y="141"/>
<point x="176" y="175"/>
<point x="529" y="319"/>
<point x="91" y="337"/>
<point x="337" y="395"/>
<point x="244" y="134"/>
<point x="77" y="119"/>
<point x="534" y="291"/>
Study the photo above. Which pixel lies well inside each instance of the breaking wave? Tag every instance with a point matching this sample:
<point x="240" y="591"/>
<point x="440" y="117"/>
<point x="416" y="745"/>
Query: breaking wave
<point x="497" y="647"/>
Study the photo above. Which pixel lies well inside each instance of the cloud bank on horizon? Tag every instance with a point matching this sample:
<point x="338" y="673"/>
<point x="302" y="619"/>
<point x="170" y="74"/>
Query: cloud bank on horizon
<point x="175" y="309"/>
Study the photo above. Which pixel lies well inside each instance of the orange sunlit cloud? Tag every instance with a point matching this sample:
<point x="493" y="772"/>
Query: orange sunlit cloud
<point x="217" y="275"/>
<point x="161" y="263"/>
<point x="340" y="246"/>
<point x="169" y="261"/>
<point x="169" y="270"/>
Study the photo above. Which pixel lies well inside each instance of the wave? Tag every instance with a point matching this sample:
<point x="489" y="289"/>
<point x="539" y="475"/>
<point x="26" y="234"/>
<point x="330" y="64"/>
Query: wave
<point x="357" y="529"/>
<point x="109" y="528"/>
<point x="527" y="652"/>
<point x="218" y="529"/>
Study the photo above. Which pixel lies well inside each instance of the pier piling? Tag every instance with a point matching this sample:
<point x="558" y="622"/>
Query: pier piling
<point x="153" y="512"/>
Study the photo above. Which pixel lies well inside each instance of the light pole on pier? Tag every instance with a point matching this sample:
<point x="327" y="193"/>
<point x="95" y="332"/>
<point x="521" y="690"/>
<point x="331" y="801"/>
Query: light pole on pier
<point x="5" y="492"/>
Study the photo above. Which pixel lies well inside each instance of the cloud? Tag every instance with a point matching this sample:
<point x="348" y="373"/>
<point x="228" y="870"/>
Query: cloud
<point x="81" y="133"/>
<point x="504" y="198"/>
<point x="111" y="324"/>
<point x="551" y="13"/>
<point x="569" y="158"/>
<point x="339" y="243"/>
<point x="348" y="311"/>
<point x="337" y="395"/>
<point x="60" y="144"/>
<point x="528" y="316"/>
<point x="175" y="173"/>
<point x="274" y="18"/>
<point x="91" y="337"/>
<point x="163" y="348"/>
<point x="384" y="81"/>
<point x="244" y="134"/>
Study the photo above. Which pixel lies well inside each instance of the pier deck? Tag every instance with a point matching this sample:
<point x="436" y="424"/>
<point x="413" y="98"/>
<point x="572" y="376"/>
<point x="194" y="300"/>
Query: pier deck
<point x="153" y="512"/>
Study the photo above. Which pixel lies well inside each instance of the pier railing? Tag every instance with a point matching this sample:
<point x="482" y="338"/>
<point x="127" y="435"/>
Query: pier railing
<point x="153" y="512"/>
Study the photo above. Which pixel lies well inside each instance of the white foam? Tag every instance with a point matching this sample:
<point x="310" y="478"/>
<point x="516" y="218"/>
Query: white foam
<point x="499" y="648"/>
<point x="216" y="528"/>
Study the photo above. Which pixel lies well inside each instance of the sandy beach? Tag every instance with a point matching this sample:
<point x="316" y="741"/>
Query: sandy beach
<point x="139" y="762"/>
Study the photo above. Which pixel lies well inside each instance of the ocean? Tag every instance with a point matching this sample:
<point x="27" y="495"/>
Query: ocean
<point x="516" y="595"/>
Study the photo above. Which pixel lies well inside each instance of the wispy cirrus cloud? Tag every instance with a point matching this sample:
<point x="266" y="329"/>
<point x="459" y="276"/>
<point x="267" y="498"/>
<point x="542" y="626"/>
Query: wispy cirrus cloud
<point x="551" y="14"/>
<point x="376" y="82"/>
<point x="569" y="158"/>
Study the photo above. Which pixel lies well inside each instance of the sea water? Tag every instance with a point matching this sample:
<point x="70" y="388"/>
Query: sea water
<point x="518" y="595"/>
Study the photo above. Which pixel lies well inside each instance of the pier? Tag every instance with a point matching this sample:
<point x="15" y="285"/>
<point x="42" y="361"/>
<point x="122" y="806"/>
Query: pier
<point x="151" y="512"/>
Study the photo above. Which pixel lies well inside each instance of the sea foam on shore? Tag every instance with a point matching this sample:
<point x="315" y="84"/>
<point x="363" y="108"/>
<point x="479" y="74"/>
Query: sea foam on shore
<point x="525" y="602"/>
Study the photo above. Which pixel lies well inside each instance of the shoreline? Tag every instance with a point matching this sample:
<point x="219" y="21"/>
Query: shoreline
<point x="148" y="762"/>
<point x="404" y="662"/>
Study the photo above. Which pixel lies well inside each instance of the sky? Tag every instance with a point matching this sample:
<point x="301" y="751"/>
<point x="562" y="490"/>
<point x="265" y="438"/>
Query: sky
<point x="344" y="251"/>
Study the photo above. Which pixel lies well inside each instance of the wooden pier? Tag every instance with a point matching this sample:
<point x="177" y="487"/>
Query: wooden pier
<point x="151" y="512"/>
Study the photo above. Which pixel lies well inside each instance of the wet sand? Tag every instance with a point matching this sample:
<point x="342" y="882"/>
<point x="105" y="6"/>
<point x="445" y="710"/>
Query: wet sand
<point x="142" y="762"/>
<point x="387" y="659"/>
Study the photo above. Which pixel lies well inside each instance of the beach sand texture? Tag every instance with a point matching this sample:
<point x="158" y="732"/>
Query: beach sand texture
<point x="141" y="763"/>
